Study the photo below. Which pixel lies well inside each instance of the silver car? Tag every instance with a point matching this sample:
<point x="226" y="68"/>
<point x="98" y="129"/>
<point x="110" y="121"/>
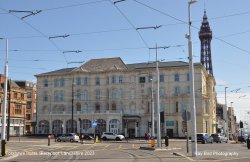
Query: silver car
<point x="70" y="137"/>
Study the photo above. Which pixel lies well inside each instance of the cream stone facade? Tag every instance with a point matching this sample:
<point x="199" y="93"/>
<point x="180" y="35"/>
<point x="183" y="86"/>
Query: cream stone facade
<point x="118" y="97"/>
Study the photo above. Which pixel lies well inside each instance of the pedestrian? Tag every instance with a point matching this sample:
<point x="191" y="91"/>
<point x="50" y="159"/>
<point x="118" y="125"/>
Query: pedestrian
<point x="148" y="136"/>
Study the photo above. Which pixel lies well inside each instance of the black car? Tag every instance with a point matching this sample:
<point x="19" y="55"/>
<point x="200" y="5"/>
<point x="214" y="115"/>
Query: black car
<point x="204" y="138"/>
<point x="87" y="137"/>
<point x="242" y="139"/>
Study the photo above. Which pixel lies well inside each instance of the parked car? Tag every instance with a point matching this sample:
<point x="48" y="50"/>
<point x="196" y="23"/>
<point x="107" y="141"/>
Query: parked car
<point x="204" y="138"/>
<point x="242" y="139"/>
<point x="218" y="138"/>
<point x="87" y="137"/>
<point x="112" y="136"/>
<point x="70" y="137"/>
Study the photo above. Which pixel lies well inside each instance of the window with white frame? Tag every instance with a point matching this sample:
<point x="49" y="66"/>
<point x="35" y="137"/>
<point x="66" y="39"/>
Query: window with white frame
<point x="114" y="93"/>
<point x="113" y="79"/>
<point x="85" y="95"/>
<point x="46" y="83"/>
<point x="46" y="96"/>
<point x="85" y="108"/>
<point x="161" y="78"/>
<point x="97" y="81"/>
<point x="85" y="81"/>
<point x="120" y="79"/>
<point x="176" y="77"/>
<point x="97" y="94"/>
<point x="162" y="91"/>
<point x="78" y="95"/>
<point x="177" y="91"/>
<point x="78" y="81"/>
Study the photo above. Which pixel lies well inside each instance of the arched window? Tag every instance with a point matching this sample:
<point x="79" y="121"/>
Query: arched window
<point x="43" y="127"/>
<point x="86" y="125"/>
<point x="69" y="126"/>
<point x="57" y="127"/>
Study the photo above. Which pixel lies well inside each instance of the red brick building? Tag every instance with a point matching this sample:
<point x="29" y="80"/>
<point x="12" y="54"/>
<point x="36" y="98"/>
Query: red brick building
<point x="20" y="106"/>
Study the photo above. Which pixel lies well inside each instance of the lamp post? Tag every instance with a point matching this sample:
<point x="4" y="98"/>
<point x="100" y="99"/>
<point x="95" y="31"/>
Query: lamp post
<point x="72" y="108"/>
<point x="158" y="96"/>
<point x="152" y="110"/>
<point x="225" y="113"/>
<point x="3" y="129"/>
<point x="191" y="73"/>
<point x="158" y="102"/>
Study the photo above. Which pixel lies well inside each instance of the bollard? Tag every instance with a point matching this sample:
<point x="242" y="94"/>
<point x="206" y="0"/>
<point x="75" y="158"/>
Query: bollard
<point x="96" y="139"/>
<point x="166" y="141"/>
<point x="82" y="136"/>
<point x="49" y="140"/>
<point x="152" y="142"/>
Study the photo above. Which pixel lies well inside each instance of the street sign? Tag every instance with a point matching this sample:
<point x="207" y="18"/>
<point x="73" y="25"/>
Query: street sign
<point x="94" y="123"/>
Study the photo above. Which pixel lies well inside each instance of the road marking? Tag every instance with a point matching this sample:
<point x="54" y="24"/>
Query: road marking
<point x="105" y="147"/>
<point x="179" y="154"/>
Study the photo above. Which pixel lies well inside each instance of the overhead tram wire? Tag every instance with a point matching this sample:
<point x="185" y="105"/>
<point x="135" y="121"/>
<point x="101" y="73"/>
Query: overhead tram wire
<point x="230" y="44"/>
<point x="45" y="36"/>
<point x="125" y="17"/>
<point x="75" y="5"/>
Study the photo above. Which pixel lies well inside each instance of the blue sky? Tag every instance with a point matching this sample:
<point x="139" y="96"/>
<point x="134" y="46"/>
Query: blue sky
<point x="101" y="29"/>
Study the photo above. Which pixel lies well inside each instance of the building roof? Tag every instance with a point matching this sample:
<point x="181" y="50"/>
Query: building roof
<point x="60" y="71"/>
<point x="109" y="64"/>
<point x="161" y="65"/>
<point x="103" y="64"/>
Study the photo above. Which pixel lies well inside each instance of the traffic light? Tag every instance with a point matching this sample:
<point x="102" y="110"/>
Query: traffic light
<point x="149" y="124"/>
<point x="241" y="124"/>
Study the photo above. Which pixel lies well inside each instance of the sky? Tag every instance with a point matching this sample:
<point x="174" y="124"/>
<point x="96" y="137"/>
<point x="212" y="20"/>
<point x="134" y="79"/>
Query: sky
<point x="63" y="33"/>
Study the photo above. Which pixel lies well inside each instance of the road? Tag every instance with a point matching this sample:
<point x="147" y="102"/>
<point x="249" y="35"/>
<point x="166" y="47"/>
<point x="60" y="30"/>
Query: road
<point x="38" y="150"/>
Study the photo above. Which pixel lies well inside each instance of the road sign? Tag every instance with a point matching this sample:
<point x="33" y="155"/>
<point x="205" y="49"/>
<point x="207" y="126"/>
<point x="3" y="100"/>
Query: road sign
<point x="94" y="123"/>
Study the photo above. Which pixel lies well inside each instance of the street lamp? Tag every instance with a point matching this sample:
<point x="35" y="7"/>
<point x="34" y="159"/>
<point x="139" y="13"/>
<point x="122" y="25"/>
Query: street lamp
<point x="72" y="108"/>
<point x="3" y="129"/>
<point x="152" y="109"/>
<point x="225" y="113"/>
<point x="158" y="96"/>
<point x="232" y="104"/>
<point x="191" y="73"/>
